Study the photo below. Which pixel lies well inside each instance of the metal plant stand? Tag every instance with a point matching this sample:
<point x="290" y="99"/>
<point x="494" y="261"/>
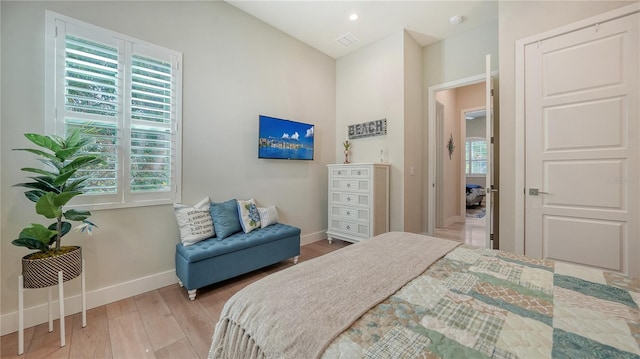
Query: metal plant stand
<point x="21" y="290"/>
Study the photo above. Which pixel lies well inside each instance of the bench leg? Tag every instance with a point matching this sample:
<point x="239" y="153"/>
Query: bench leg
<point x="295" y="260"/>
<point x="180" y="283"/>
<point x="192" y="294"/>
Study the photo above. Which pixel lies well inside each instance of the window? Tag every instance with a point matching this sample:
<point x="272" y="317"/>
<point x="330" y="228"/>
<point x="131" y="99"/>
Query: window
<point x="127" y="95"/>
<point x="476" y="156"/>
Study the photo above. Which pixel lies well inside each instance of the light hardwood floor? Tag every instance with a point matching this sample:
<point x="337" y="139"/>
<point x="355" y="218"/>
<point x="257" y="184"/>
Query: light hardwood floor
<point x="162" y="323"/>
<point x="472" y="231"/>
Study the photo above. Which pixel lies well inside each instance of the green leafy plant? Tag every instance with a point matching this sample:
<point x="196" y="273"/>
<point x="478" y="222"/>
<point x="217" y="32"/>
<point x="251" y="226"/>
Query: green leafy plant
<point x="52" y="188"/>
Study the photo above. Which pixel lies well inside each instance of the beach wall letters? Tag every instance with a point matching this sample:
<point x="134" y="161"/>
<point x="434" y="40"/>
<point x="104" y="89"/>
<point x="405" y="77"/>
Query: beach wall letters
<point x="368" y="129"/>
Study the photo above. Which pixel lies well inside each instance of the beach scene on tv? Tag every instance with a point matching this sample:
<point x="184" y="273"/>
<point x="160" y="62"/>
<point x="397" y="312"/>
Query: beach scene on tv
<point x="285" y="139"/>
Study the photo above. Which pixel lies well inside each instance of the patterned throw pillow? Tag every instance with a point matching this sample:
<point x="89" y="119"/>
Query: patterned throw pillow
<point x="249" y="217"/>
<point x="195" y="223"/>
<point x="225" y="218"/>
<point x="268" y="216"/>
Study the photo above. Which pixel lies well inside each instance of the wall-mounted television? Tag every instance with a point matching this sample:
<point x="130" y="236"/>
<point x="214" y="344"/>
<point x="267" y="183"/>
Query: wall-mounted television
<point x="284" y="139"/>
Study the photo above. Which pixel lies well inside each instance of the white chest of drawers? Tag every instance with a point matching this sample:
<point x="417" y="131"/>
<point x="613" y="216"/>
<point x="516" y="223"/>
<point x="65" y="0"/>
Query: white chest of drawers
<point x="358" y="201"/>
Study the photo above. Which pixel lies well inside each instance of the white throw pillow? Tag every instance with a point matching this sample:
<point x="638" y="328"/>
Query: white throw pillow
<point x="195" y="222"/>
<point x="249" y="216"/>
<point x="268" y="216"/>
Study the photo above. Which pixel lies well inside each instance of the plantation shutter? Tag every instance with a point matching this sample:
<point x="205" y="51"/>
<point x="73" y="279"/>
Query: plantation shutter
<point x="91" y="105"/>
<point x="152" y="118"/>
<point x="125" y="94"/>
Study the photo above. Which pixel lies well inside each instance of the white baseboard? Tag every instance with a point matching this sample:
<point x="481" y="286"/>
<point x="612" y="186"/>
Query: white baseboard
<point x="313" y="237"/>
<point x="39" y="314"/>
<point x="449" y="221"/>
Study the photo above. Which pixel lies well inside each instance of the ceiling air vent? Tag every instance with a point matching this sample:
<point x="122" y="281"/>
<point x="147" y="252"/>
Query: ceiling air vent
<point x="347" y="39"/>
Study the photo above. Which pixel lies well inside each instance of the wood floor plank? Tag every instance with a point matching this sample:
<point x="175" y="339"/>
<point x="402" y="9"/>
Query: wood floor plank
<point x="230" y="287"/>
<point x="129" y="337"/>
<point x="194" y="322"/>
<point x="47" y="345"/>
<point x="178" y="350"/>
<point x="212" y="306"/>
<point x="121" y="307"/>
<point x="161" y="325"/>
<point x="92" y="341"/>
<point x="9" y="343"/>
<point x="128" y="328"/>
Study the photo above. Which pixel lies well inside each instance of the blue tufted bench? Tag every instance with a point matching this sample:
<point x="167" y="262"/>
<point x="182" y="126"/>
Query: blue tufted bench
<point x="212" y="260"/>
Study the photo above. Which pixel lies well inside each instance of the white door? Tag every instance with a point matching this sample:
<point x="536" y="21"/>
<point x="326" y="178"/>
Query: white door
<point x="489" y="138"/>
<point x="582" y="146"/>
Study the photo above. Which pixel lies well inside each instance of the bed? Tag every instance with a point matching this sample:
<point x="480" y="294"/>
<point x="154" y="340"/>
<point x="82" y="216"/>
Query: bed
<point x="403" y="295"/>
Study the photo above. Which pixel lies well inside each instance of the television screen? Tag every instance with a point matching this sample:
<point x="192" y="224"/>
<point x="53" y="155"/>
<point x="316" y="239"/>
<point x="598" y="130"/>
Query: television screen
<point x="284" y="139"/>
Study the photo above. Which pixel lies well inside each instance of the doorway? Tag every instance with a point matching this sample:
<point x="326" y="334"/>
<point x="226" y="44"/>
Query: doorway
<point x="442" y="139"/>
<point x="461" y="150"/>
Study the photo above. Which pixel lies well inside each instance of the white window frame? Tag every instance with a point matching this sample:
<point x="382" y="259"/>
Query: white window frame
<point x="470" y="161"/>
<point x="56" y="28"/>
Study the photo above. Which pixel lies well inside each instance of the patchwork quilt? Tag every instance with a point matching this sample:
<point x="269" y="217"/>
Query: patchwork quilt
<point x="481" y="303"/>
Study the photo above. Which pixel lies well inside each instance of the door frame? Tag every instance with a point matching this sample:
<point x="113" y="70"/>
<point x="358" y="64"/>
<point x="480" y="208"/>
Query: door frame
<point x="432" y="140"/>
<point x="439" y="174"/>
<point x="520" y="139"/>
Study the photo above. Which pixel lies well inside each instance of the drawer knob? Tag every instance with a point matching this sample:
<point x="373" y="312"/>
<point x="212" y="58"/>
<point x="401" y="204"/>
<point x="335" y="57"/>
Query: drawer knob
<point x="359" y="173"/>
<point x="348" y="226"/>
<point x="348" y="185"/>
<point x="348" y="213"/>
<point x="348" y="199"/>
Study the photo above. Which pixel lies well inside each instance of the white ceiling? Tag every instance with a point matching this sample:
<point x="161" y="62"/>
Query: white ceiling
<point x="320" y="23"/>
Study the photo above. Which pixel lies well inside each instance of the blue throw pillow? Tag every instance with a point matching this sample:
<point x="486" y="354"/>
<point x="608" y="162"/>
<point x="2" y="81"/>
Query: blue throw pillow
<point x="225" y="218"/>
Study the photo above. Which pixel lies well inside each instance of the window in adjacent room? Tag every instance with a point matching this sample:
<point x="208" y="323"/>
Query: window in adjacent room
<point x="476" y="156"/>
<point x="126" y="94"/>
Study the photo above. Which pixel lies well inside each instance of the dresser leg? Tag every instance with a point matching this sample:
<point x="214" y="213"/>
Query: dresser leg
<point x="330" y="240"/>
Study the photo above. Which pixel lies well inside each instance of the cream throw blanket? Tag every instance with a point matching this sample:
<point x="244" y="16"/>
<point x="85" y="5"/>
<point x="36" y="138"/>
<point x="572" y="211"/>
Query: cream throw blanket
<point x="297" y="312"/>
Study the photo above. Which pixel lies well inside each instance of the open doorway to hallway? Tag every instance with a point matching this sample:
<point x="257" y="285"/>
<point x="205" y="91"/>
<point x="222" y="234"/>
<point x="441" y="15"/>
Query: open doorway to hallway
<point x="461" y="155"/>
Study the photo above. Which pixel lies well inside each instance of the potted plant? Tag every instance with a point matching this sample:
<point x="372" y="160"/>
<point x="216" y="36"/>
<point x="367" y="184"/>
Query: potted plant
<point x="347" y="151"/>
<point x="51" y="190"/>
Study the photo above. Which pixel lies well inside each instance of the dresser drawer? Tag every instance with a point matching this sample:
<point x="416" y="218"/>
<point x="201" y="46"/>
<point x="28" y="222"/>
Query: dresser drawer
<point x="352" y="228"/>
<point x="350" y="185"/>
<point x="349" y="199"/>
<point x="350" y="213"/>
<point x="354" y="172"/>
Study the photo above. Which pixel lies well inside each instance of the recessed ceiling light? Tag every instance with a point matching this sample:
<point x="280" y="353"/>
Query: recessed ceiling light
<point x="353" y="17"/>
<point x="455" y="19"/>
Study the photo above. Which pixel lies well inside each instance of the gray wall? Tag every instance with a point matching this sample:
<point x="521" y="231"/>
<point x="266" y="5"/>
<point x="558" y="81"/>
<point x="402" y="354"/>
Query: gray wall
<point x="235" y="68"/>
<point x="370" y="86"/>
